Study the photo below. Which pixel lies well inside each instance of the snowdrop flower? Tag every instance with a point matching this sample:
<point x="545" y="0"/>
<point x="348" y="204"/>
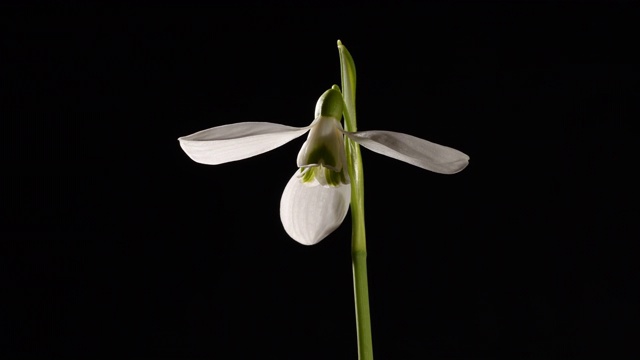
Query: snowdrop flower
<point x="317" y="197"/>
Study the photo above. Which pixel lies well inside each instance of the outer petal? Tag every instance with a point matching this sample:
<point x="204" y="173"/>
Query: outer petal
<point x="413" y="150"/>
<point x="310" y="213"/>
<point x="238" y="141"/>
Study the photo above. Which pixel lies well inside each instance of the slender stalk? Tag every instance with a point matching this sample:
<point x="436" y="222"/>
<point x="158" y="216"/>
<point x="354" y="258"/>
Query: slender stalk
<point x="358" y="238"/>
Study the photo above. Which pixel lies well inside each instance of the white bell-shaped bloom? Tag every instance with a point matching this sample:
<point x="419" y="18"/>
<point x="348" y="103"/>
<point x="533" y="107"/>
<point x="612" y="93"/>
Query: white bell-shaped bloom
<point x="316" y="199"/>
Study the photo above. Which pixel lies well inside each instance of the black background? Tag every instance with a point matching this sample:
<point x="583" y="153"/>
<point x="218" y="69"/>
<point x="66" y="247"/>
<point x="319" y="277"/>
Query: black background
<point x="116" y="244"/>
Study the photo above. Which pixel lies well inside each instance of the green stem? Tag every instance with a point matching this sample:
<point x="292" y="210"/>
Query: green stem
<point x="358" y="238"/>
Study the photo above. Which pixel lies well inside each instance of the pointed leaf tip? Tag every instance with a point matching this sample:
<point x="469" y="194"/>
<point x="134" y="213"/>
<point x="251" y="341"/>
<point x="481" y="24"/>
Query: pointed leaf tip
<point x="339" y="43"/>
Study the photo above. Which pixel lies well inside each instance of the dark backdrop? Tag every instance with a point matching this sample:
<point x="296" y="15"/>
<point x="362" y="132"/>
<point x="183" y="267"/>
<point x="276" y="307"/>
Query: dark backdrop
<point x="116" y="244"/>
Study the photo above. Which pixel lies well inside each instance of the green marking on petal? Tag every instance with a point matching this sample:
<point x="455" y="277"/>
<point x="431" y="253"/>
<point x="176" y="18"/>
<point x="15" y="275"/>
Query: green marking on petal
<point x="323" y="176"/>
<point x="333" y="177"/>
<point x="308" y="174"/>
<point x="322" y="155"/>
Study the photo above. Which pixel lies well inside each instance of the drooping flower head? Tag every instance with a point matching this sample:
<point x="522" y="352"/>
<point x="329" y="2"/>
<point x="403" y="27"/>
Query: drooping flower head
<point x="322" y="158"/>
<point x="316" y="199"/>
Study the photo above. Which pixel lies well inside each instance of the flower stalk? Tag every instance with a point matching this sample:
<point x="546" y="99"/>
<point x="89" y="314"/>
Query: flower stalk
<point x="358" y="236"/>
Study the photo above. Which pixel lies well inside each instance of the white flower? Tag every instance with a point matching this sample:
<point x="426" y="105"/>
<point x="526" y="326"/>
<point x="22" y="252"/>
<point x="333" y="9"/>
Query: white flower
<point x="316" y="198"/>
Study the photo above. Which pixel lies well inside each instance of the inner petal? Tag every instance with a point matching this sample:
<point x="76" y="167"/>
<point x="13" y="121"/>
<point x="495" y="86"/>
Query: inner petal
<point x="324" y="145"/>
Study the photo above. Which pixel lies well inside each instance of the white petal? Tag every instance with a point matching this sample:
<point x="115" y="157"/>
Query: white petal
<point x="413" y="150"/>
<point x="310" y="213"/>
<point x="238" y="141"/>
